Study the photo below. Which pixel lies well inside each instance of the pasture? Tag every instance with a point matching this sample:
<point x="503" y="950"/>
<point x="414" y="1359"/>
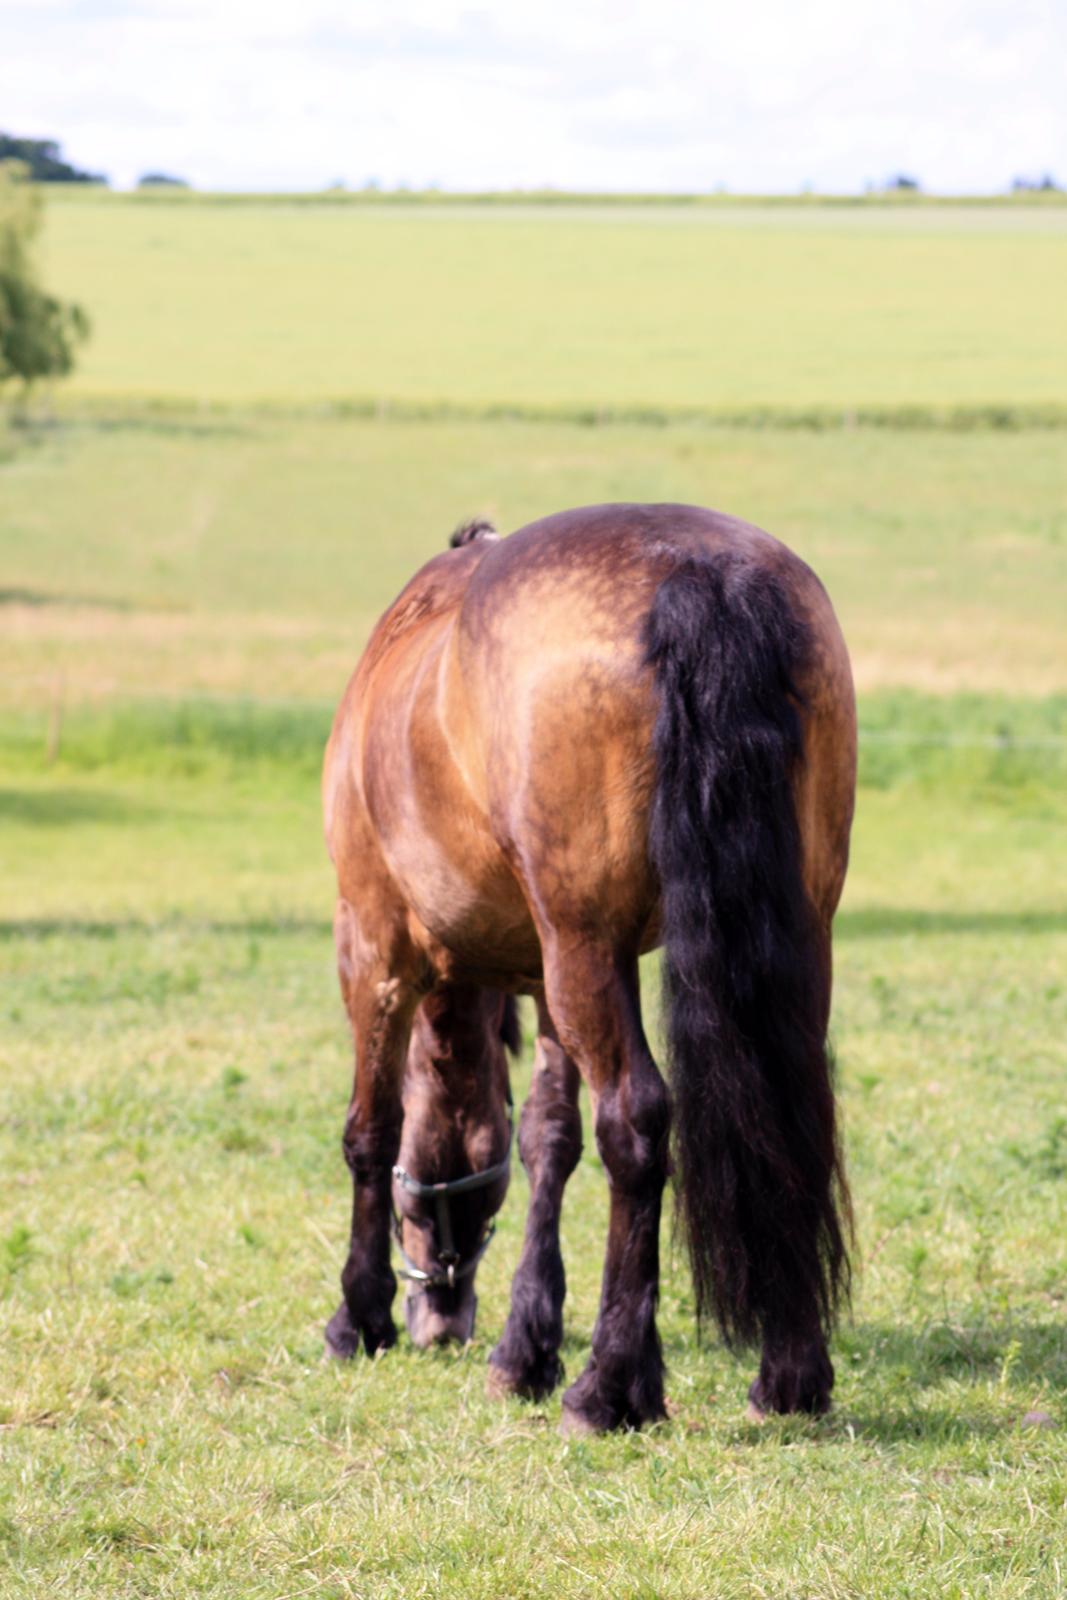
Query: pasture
<point x="184" y="592"/>
<point x="651" y="309"/>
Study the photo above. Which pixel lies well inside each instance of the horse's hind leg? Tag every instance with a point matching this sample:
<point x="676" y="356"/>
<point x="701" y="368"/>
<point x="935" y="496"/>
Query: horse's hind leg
<point x="594" y="999"/>
<point x="526" y="1361"/>
<point x="381" y="1003"/>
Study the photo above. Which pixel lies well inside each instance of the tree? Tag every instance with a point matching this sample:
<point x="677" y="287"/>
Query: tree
<point x="38" y="333"/>
<point x="44" y="160"/>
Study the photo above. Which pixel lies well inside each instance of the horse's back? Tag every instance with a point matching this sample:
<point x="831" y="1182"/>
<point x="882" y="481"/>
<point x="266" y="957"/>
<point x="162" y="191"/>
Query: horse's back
<point x="504" y="718"/>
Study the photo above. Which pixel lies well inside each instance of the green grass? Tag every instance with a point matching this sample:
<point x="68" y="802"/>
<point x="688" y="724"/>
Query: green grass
<point x="175" y="1067"/>
<point x="251" y="557"/>
<point x="183" y="595"/>
<point x="720" y="308"/>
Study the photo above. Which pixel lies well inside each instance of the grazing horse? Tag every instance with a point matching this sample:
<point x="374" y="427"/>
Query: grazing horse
<point x="621" y="727"/>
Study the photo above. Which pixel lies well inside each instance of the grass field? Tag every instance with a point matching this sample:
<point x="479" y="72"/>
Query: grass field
<point x="251" y="557"/>
<point x="603" y="308"/>
<point x="181" y="597"/>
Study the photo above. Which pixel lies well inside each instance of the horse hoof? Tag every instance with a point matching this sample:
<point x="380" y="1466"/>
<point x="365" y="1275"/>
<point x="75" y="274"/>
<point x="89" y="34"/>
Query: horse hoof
<point x="530" y="1380"/>
<point x="786" y="1400"/>
<point x="501" y="1384"/>
<point x="344" y="1338"/>
<point x="573" y="1425"/>
<point x="341" y="1338"/>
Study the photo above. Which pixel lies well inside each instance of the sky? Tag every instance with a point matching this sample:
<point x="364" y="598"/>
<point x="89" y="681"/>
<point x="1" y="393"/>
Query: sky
<point x="691" y="95"/>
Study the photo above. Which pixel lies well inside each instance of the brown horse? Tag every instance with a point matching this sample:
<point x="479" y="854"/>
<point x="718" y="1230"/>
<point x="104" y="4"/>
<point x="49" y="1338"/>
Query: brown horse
<point x="620" y="727"/>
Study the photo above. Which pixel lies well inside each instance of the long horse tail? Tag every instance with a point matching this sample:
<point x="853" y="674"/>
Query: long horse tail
<point x="747" y="970"/>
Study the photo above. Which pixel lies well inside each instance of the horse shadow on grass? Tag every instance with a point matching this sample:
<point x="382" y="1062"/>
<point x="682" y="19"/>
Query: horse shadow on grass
<point x="947" y="1382"/>
<point x="941" y="1382"/>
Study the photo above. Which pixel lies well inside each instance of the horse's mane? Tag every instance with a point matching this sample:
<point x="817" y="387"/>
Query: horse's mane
<point x="475" y="528"/>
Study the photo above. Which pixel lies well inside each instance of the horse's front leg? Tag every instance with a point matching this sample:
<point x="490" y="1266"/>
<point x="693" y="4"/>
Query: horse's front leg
<point x="526" y="1361"/>
<point x="380" y="1007"/>
<point x="593" y="995"/>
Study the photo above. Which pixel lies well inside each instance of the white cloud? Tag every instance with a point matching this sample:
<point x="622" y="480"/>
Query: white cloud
<point x="658" y="94"/>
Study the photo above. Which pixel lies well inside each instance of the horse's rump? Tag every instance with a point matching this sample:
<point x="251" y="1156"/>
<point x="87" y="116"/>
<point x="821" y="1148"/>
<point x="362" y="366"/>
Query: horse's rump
<point x="504" y="716"/>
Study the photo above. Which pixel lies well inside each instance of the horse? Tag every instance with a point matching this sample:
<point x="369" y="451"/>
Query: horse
<point x="619" y="728"/>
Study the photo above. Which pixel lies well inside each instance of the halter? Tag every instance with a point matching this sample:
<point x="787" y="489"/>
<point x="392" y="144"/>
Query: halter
<point x="450" y="1265"/>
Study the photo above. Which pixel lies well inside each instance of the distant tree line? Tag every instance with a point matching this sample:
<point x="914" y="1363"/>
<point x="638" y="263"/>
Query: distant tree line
<point x="44" y="161"/>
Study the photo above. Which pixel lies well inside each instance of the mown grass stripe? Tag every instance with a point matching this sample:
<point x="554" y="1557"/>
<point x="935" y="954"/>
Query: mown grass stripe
<point x="122" y="412"/>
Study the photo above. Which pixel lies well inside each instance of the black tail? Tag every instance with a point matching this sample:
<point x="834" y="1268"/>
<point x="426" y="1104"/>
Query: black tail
<point x="747" y="965"/>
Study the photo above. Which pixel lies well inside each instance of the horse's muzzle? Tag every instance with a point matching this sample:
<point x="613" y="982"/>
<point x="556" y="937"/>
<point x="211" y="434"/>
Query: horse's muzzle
<point x="440" y="1316"/>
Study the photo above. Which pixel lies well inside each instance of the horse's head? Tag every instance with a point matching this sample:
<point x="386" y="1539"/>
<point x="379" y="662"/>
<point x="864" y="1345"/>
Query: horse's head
<point x="453" y="1168"/>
